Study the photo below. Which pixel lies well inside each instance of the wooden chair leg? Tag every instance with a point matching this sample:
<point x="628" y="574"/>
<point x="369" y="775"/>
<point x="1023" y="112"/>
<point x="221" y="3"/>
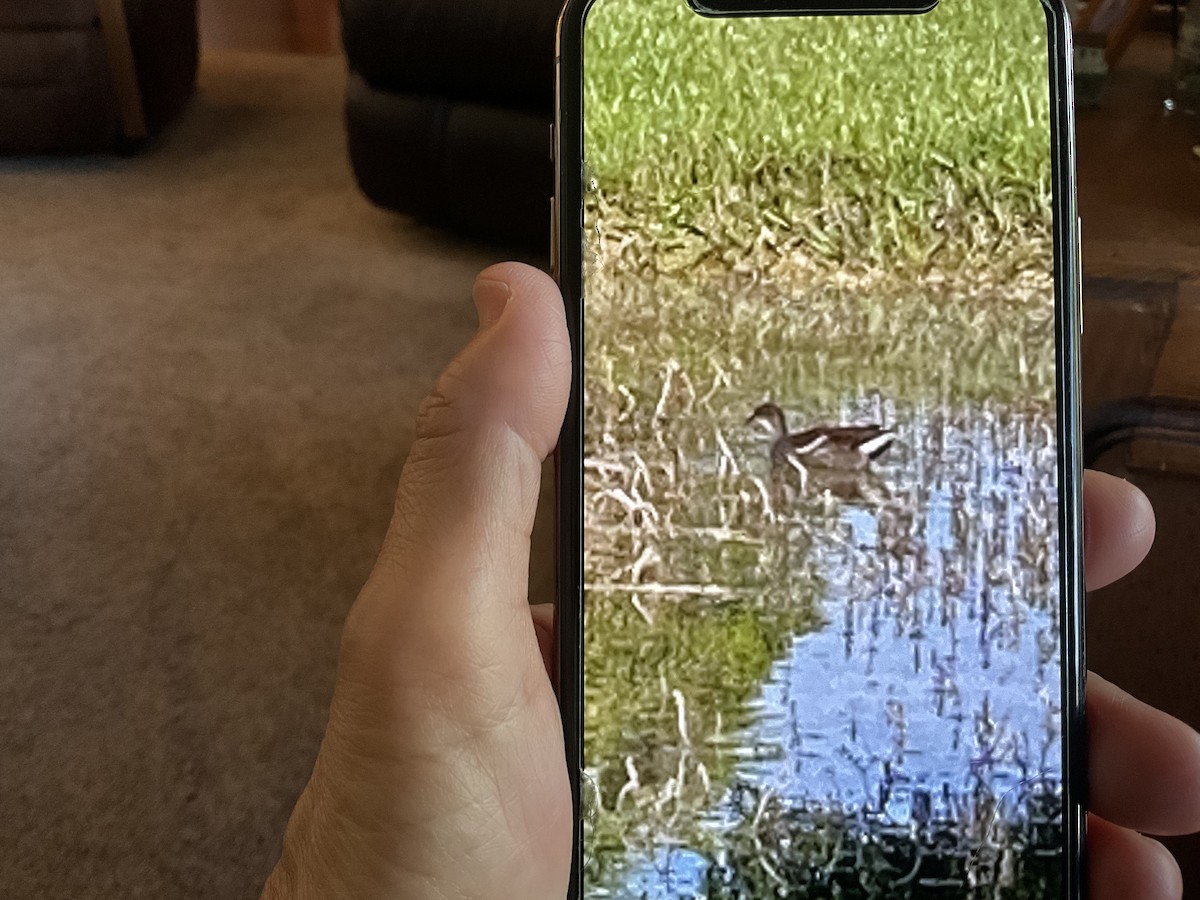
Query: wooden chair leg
<point x="119" y="52"/>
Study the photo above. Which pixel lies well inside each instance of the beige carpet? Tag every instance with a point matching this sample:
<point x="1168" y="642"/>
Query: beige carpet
<point x="210" y="358"/>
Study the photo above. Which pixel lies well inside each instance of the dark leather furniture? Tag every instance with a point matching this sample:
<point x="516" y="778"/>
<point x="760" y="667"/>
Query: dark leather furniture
<point x="448" y="111"/>
<point x="92" y="75"/>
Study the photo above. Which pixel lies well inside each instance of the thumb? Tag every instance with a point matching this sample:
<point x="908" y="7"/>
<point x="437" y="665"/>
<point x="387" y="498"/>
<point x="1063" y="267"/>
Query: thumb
<point x="443" y="762"/>
<point x="451" y="581"/>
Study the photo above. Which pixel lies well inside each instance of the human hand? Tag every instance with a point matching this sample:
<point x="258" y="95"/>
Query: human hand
<point x="1143" y="765"/>
<point x="442" y="773"/>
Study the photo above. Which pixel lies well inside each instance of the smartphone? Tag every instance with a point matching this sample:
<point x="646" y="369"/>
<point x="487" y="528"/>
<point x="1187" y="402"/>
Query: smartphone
<point x="820" y="624"/>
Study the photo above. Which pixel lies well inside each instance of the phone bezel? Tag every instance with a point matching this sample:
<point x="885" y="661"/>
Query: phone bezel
<point x="567" y="267"/>
<point x="734" y="8"/>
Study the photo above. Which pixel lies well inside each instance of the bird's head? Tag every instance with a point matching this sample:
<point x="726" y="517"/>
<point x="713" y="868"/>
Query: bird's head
<point x="769" y="417"/>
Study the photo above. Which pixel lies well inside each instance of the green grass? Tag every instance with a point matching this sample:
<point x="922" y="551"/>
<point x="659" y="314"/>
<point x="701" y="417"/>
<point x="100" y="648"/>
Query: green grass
<point x="716" y="656"/>
<point x="883" y="141"/>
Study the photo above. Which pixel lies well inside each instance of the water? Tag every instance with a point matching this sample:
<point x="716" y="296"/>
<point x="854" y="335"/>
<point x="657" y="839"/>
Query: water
<point x="921" y="688"/>
<point x="929" y="692"/>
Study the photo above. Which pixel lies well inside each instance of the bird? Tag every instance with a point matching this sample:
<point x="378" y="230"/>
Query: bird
<point x="837" y="447"/>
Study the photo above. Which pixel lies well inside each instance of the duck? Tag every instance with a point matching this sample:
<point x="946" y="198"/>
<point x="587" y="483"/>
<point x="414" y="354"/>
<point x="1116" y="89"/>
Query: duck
<point x="837" y="447"/>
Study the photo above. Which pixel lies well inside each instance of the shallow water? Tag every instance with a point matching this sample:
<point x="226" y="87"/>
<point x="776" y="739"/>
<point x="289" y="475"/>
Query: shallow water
<point x="928" y="693"/>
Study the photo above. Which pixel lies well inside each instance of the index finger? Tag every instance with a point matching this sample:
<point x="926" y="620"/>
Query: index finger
<point x="1118" y="528"/>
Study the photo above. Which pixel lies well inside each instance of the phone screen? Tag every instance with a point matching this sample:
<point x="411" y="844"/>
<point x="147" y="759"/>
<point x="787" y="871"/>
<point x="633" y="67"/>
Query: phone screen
<point x="823" y="621"/>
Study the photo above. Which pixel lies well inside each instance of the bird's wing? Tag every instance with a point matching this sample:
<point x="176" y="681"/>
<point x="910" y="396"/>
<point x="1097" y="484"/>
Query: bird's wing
<point x="874" y="446"/>
<point x="807" y="441"/>
<point x="851" y="435"/>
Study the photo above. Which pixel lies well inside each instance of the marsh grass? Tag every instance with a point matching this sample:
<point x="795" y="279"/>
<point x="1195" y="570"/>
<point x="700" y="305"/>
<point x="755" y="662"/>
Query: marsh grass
<point x="694" y="588"/>
<point x="667" y="354"/>
<point x="698" y="582"/>
<point x="781" y="851"/>
<point x="662" y="699"/>
<point x="697" y="587"/>
<point x="697" y="578"/>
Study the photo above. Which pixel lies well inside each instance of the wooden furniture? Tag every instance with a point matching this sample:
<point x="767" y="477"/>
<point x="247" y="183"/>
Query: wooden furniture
<point x="85" y="76"/>
<point x="115" y="31"/>
<point x="1145" y="398"/>
<point x="1161" y="419"/>
<point x="448" y="111"/>
<point x="1111" y="25"/>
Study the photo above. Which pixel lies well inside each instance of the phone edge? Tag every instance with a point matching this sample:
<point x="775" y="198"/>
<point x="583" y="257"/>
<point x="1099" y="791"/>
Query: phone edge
<point x="567" y="270"/>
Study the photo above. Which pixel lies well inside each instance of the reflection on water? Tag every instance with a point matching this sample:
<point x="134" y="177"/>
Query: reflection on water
<point x="905" y="742"/>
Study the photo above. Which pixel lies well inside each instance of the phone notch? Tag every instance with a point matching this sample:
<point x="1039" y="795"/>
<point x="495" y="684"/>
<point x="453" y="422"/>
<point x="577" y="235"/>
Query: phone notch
<point x="726" y="8"/>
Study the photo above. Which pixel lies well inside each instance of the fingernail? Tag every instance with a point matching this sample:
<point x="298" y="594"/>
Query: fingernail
<point x="490" y="299"/>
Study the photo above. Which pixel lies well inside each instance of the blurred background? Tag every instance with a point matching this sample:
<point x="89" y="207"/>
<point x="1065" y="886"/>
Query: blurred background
<point x="237" y="241"/>
<point x="1139" y="197"/>
<point x="281" y="26"/>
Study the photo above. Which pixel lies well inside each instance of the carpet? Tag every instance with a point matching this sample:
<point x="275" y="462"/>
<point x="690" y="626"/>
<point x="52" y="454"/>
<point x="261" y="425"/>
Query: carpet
<point x="211" y="355"/>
